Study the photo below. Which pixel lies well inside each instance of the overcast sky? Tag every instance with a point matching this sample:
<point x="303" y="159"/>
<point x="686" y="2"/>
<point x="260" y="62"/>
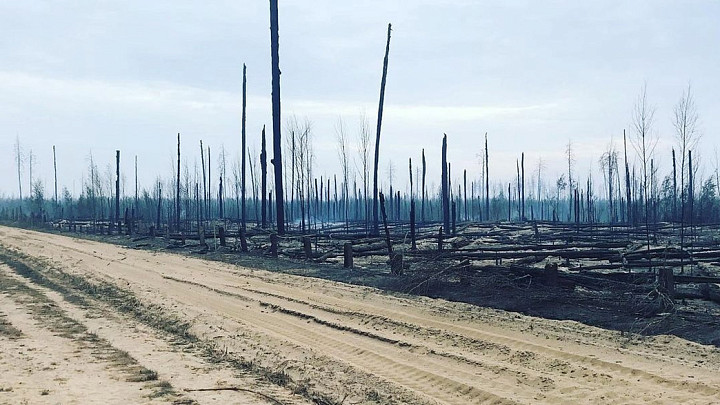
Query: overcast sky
<point x="96" y="76"/>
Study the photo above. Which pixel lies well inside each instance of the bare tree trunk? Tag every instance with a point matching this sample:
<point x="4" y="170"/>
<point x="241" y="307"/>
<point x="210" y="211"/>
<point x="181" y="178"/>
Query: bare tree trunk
<point x="137" y="200"/>
<point x="209" y="183"/>
<point x="117" y="188"/>
<point x="277" y="135"/>
<point x="202" y="162"/>
<point x="243" y="218"/>
<point x="55" y="169"/>
<point x="628" y="195"/>
<point x="177" y="194"/>
<point x="18" y="160"/>
<point x="159" y="206"/>
<point x="522" y="168"/>
<point x="487" y="181"/>
<point x="445" y="188"/>
<point x="465" y="193"/>
<point x="424" y="193"/>
<point x="263" y="178"/>
<point x="674" y="212"/>
<point x="376" y="230"/>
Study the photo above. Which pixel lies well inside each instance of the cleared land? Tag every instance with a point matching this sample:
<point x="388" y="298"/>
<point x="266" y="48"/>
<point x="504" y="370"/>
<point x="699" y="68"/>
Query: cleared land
<point x="255" y="336"/>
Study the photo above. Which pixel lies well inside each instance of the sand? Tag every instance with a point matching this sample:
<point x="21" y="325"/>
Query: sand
<point x="362" y="345"/>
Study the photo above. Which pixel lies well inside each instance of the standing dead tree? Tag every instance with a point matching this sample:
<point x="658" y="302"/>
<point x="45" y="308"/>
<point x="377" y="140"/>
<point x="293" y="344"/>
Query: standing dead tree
<point x="609" y="167"/>
<point x="117" y="189"/>
<point x="644" y="143"/>
<point x="487" y="181"/>
<point x="263" y="178"/>
<point x="177" y="192"/>
<point x="343" y="155"/>
<point x="571" y="182"/>
<point x="685" y="122"/>
<point x="55" y="170"/>
<point x="243" y="197"/>
<point x="363" y="147"/>
<point x="376" y="230"/>
<point x="424" y="189"/>
<point x="19" y="161"/>
<point x="277" y="135"/>
<point x="445" y="187"/>
<point x="628" y="194"/>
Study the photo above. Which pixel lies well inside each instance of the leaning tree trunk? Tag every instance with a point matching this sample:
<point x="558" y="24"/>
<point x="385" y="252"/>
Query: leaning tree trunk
<point x="277" y="136"/>
<point x="55" y="169"/>
<point x="376" y="230"/>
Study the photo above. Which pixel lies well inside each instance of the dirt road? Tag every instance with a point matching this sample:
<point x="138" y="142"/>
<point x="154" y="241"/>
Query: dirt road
<point x="290" y="339"/>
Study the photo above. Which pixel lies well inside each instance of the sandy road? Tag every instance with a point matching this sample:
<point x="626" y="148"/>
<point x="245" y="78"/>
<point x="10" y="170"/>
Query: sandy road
<point x="362" y="345"/>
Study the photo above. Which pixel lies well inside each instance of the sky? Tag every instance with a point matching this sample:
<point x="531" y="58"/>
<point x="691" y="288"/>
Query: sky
<point x="93" y="76"/>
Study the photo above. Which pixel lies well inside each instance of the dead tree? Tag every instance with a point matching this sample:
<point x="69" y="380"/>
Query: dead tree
<point x="445" y="187"/>
<point x="644" y="143"/>
<point x="243" y="218"/>
<point x="177" y="192"/>
<point x="202" y="162"/>
<point x="685" y="122"/>
<point x="117" y="188"/>
<point x="628" y="195"/>
<point x="277" y="136"/>
<point x="18" y="160"/>
<point x="263" y="178"/>
<point x="674" y="206"/>
<point x="487" y="181"/>
<point x="55" y="169"/>
<point x="522" y="169"/>
<point x="424" y="193"/>
<point x="376" y="231"/>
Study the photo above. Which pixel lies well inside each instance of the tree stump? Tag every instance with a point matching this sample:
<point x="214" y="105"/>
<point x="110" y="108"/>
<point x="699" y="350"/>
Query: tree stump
<point x="243" y="241"/>
<point x="201" y="235"/>
<point x="273" y="245"/>
<point x="221" y="234"/>
<point x="396" y="264"/>
<point x="307" y="247"/>
<point x="347" y="255"/>
<point x="666" y="281"/>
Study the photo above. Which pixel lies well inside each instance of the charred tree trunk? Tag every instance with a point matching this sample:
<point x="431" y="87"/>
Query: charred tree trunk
<point x="55" y="169"/>
<point x="628" y="195"/>
<point x="263" y="178"/>
<point x="277" y="136"/>
<point x="117" y="189"/>
<point x="522" y="174"/>
<point x="159" y="207"/>
<point x="445" y="187"/>
<point x="202" y="162"/>
<point x="674" y="207"/>
<point x="424" y="171"/>
<point x="376" y="231"/>
<point x="243" y="195"/>
<point x="177" y="191"/>
<point x="487" y="181"/>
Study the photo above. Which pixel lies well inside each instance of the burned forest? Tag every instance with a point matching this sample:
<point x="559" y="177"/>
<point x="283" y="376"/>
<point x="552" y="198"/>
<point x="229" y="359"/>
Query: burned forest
<point x="321" y="254"/>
